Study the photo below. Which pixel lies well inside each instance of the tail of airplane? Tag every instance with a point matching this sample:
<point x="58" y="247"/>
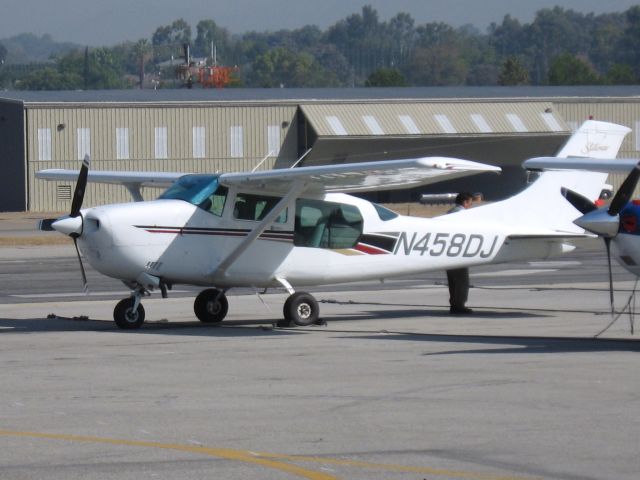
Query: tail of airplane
<point x="595" y="140"/>
<point x="541" y="209"/>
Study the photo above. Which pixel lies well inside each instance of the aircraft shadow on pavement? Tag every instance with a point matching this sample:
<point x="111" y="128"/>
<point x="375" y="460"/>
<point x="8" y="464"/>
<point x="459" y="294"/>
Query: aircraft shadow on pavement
<point x="514" y="344"/>
<point x="195" y="328"/>
<point x="403" y="313"/>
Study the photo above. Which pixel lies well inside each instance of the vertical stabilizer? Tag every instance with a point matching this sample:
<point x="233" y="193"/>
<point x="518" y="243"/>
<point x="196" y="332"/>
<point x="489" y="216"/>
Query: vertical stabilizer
<point x="541" y="206"/>
<point x="595" y="139"/>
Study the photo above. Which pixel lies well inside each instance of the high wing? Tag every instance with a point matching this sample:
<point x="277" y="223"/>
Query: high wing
<point x="133" y="181"/>
<point x="144" y="179"/>
<point x="358" y="177"/>
<point x="351" y="177"/>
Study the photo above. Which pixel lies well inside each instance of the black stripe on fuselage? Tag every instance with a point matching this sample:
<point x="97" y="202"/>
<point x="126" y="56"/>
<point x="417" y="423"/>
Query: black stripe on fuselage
<point x="224" y="232"/>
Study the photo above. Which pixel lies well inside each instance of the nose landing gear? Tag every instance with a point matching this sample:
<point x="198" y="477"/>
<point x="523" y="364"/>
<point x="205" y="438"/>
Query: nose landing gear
<point x="129" y="313"/>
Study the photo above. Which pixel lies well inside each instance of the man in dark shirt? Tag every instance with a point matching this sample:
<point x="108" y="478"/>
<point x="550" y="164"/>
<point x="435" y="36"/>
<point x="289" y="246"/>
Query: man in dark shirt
<point x="458" y="278"/>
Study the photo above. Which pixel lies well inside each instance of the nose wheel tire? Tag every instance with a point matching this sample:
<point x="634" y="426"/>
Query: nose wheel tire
<point x="302" y="309"/>
<point x="126" y="317"/>
<point x="211" y="306"/>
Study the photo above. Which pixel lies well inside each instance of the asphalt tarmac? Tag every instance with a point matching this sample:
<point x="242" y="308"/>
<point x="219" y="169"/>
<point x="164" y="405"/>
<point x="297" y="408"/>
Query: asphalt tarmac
<point x="391" y="387"/>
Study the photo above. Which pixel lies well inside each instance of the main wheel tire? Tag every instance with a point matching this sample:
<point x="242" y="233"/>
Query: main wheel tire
<point x="211" y="306"/>
<point x="125" y="317"/>
<point x="302" y="309"/>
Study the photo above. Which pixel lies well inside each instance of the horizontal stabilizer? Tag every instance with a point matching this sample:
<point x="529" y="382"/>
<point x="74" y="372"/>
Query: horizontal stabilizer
<point x="605" y="165"/>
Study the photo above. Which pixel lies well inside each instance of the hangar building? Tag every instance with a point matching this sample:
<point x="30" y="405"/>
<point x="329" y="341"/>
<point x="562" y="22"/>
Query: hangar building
<point x="241" y="129"/>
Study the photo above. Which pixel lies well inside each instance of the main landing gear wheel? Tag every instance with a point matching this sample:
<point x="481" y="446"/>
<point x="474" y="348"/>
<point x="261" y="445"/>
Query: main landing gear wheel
<point x="125" y="317"/>
<point x="211" y="306"/>
<point x="302" y="309"/>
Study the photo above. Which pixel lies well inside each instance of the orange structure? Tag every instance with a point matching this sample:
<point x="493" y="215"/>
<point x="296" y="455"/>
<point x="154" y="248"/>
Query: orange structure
<point x="215" y="76"/>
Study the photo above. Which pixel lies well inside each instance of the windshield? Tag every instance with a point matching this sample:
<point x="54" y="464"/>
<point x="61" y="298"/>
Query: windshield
<point x="194" y="189"/>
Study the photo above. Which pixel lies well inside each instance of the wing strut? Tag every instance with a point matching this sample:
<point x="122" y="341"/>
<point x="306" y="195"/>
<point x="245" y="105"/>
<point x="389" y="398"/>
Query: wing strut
<point x="134" y="190"/>
<point x="296" y="188"/>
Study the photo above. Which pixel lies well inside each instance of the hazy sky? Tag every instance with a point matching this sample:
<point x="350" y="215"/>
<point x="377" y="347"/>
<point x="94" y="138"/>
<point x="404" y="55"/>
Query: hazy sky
<point x="107" y="22"/>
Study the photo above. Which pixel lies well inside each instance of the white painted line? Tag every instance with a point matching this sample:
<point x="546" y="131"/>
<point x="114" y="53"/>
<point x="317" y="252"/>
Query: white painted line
<point x="79" y="294"/>
<point x="556" y="263"/>
<point x="514" y="273"/>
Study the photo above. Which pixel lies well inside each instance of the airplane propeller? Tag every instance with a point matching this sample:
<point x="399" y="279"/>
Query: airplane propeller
<point x="72" y="224"/>
<point x="604" y="222"/>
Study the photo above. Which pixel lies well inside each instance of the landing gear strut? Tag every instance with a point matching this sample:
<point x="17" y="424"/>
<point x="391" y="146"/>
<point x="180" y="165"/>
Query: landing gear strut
<point x="211" y="306"/>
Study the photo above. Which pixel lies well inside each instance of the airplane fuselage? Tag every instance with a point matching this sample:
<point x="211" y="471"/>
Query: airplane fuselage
<point x="182" y="243"/>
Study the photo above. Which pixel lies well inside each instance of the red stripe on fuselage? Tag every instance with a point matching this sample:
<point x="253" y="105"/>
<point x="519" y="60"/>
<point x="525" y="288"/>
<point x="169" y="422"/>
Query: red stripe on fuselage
<point x="370" y="250"/>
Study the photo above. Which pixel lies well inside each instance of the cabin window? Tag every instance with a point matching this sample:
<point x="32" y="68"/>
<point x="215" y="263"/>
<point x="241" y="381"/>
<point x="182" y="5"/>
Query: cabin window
<point x="384" y="213"/>
<point x="256" y="207"/>
<point x="323" y="224"/>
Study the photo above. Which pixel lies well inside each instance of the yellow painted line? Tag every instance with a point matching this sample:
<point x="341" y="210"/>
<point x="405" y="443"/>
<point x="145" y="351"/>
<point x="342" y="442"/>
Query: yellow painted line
<point x="228" y="454"/>
<point x="269" y="460"/>
<point x="391" y="468"/>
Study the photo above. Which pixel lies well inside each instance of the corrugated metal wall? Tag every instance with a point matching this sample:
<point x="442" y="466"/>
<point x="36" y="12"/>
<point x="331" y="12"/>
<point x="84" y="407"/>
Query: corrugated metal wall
<point x="234" y="136"/>
<point x="258" y="129"/>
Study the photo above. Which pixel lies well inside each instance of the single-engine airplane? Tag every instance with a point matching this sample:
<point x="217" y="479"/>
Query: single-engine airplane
<point x="619" y="223"/>
<point x="298" y="227"/>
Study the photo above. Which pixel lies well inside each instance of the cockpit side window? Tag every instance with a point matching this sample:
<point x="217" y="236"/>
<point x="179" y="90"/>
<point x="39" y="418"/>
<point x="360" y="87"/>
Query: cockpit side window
<point x="326" y="225"/>
<point x="256" y="207"/>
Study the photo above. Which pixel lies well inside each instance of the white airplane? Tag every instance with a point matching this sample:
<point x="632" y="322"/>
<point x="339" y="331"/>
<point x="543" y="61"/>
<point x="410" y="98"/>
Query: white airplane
<point x="619" y="223"/>
<point x="297" y="227"/>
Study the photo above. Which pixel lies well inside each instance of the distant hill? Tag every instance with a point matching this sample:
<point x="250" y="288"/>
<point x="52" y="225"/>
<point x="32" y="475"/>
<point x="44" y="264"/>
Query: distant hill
<point x="27" y="48"/>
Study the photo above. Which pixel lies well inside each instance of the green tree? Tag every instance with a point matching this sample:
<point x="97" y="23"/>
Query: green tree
<point x="509" y="38"/>
<point x="50" y="79"/>
<point x="208" y="32"/>
<point x="620" y="74"/>
<point x="554" y="32"/>
<point x="631" y="38"/>
<point x="168" y="40"/>
<point x="280" y="67"/>
<point x="401" y="36"/>
<point x="437" y="66"/>
<point x="567" y="69"/>
<point x="386" y="77"/>
<point x="141" y="53"/>
<point x="513" y="73"/>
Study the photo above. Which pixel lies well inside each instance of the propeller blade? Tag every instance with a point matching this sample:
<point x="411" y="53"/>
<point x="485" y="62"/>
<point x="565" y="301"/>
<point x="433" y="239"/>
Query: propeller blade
<point x="582" y="204"/>
<point x="623" y="195"/>
<point x="81" y="184"/>
<point x="46" y="224"/>
<point x="607" y="244"/>
<point x="85" y="286"/>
